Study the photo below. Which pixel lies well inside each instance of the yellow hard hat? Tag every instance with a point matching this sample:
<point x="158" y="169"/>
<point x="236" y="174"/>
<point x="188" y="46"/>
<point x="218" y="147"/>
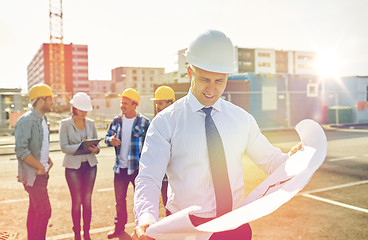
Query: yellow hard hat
<point x="131" y="94"/>
<point x="164" y="93"/>
<point x="39" y="90"/>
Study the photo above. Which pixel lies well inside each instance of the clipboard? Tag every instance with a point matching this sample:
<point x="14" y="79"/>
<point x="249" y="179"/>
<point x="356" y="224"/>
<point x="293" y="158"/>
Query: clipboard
<point x="83" y="147"/>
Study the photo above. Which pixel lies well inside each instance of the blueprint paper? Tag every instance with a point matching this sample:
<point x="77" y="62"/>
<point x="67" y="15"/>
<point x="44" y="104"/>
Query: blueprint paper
<point x="273" y="192"/>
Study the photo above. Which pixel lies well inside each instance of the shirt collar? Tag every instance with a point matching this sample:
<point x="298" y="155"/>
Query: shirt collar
<point x="36" y="114"/>
<point x="195" y="105"/>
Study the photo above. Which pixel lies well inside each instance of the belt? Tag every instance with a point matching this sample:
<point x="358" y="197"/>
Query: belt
<point x="198" y="220"/>
<point x="194" y="219"/>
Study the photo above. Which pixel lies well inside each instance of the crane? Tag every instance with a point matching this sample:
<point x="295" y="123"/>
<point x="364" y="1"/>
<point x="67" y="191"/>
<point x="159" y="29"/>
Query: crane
<point x="56" y="54"/>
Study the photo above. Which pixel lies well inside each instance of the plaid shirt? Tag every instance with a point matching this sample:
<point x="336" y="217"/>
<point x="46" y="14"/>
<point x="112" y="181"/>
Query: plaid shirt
<point x="138" y="135"/>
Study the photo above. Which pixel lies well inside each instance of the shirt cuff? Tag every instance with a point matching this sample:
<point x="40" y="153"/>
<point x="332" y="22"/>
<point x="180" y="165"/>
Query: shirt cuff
<point x="146" y="218"/>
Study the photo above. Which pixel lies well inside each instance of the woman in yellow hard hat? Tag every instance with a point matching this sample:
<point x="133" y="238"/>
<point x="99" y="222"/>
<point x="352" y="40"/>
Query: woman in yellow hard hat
<point x="80" y="170"/>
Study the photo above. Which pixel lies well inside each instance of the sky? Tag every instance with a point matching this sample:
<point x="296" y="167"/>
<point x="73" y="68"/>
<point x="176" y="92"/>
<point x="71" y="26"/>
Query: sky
<point x="149" y="33"/>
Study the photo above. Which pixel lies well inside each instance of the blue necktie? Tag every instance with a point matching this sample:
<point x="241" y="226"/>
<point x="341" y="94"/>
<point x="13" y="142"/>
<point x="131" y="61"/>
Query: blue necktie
<point x="217" y="160"/>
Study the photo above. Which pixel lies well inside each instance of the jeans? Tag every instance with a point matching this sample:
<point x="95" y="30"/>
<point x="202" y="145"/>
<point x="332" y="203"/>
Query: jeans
<point x="81" y="182"/>
<point x="121" y="182"/>
<point x="39" y="211"/>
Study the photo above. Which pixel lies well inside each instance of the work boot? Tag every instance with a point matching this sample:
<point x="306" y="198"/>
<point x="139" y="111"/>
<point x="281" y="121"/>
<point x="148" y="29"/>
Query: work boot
<point x="77" y="235"/>
<point x="116" y="233"/>
<point x="86" y="235"/>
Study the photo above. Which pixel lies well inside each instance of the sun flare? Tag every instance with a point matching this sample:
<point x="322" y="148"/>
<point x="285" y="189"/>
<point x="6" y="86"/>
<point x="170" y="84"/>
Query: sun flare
<point x="328" y="64"/>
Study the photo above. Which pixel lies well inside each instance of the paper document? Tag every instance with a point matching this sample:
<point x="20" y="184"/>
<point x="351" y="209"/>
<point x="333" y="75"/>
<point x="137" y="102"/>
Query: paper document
<point x="274" y="191"/>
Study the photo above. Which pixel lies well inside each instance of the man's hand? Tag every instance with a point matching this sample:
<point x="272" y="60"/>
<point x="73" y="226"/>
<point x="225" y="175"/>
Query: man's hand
<point x="295" y="148"/>
<point x="41" y="170"/>
<point x="114" y="141"/>
<point x="139" y="232"/>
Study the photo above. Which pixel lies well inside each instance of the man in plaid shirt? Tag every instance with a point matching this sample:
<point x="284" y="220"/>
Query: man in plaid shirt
<point x="126" y="133"/>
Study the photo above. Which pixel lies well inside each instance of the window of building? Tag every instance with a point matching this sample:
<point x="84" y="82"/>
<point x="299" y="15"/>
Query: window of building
<point x="152" y="72"/>
<point x="280" y="65"/>
<point x="134" y="71"/>
<point x="81" y="56"/>
<point x="8" y="100"/>
<point x="305" y="57"/>
<point x="83" y="85"/>
<point x="143" y="71"/>
<point x="263" y="54"/>
<point x="305" y="66"/>
<point x="134" y="79"/>
<point x="264" y="64"/>
<point x="312" y="90"/>
<point x="81" y="71"/>
<point x="151" y="79"/>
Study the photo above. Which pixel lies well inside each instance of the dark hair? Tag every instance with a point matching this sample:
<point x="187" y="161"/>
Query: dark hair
<point x="74" y="111"/>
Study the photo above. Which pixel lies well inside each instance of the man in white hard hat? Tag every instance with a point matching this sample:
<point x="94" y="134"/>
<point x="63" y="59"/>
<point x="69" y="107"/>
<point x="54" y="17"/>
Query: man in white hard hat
<point x="164" y="97"/>
<point x="199" y="143"/>
<point x="32" y="141"/>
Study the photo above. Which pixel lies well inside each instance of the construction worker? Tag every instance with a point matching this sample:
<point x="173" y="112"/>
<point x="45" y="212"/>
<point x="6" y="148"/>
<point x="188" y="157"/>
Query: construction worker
<point x="32" y="142"/>
<point x="199" y="143"/>
<point x="164" y="97"/>
<point x="126" y="133"/>
<point x="80" y="170"/>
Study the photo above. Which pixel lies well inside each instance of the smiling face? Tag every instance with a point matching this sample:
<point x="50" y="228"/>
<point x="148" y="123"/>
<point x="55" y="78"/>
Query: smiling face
<point x="128" y="107"/>
<point x="207" y="86"/>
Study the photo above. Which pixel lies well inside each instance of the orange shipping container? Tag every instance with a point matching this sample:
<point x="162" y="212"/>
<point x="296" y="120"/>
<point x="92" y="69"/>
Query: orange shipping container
<point x="360" y="106"/>
<point x="13" y="118"/>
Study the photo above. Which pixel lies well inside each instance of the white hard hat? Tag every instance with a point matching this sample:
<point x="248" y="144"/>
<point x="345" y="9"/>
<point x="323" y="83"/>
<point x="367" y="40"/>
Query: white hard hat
<point x="82" y="102"/>
<point x="212" y="51"/>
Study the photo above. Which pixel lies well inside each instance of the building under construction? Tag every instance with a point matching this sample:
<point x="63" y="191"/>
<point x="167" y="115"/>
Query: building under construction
<point x="75" y="69"/>
<point x="64" y="67"/>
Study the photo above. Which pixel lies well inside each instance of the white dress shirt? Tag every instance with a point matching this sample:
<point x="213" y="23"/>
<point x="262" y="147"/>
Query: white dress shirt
<point x="176" y="144"/>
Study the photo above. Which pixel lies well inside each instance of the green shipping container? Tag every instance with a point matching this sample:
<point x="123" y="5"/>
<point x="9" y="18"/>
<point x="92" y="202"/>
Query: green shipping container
<point x="345" y="114"/>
